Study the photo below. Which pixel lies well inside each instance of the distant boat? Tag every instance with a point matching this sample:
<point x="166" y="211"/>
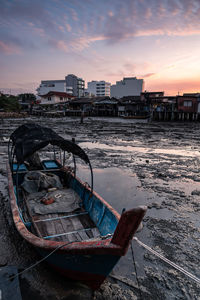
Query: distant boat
<point x="69" y="224"/>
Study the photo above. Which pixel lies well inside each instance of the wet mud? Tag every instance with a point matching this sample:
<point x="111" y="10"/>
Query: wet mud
<point x="135" y="163"/>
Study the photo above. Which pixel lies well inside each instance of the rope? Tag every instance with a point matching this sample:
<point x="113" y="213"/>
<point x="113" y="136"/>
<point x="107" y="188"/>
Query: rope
<point x="133" y="257"/>
<point x="39" y="261"/>
<point x="191" y="276"/>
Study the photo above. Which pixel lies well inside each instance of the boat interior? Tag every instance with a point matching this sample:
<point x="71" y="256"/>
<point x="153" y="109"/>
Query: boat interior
<point x="63" y="209"/>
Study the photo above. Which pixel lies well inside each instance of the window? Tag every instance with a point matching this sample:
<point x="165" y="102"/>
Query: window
<point x="187" y="103"/>
<point x="61" y="98"/>
<point x="49" y="98"/>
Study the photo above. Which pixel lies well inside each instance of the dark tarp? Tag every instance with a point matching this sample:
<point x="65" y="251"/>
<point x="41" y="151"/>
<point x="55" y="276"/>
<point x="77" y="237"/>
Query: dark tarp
<point x="30" y="137"/>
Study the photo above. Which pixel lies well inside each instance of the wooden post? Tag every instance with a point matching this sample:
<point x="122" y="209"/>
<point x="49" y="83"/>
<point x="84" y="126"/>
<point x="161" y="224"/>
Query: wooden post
<point x="82" y="116"/>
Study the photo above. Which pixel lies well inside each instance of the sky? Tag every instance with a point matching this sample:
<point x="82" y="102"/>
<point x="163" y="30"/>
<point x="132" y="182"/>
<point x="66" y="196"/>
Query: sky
<point x="157" y="40"/>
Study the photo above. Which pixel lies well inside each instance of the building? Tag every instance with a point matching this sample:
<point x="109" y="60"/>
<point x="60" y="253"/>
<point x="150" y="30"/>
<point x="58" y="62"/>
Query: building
<point x="129" y="86"/>
<point x="197" y="96"/>
<point x="51" y="85"/>
<point x="132" y="106"/>
<point x="99" y="88"/>
<point x="187" y="104"/>
<point x="55" y="98"/>
<point x="77" y="85"/>
<point x="148" y="96"/>
<point x="105" y="107"/>
<point x="71" y="85"/>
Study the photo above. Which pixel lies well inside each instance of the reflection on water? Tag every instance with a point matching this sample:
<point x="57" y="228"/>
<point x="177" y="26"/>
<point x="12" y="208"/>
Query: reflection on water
<point x="119" y="188"/>
<point x="122" y="189"/>
<point x="116" y="120"/>
<point x="187" y="151"/>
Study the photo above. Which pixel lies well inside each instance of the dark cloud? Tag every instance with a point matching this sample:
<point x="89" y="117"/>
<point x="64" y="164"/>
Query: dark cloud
<point x="29" y="11"/>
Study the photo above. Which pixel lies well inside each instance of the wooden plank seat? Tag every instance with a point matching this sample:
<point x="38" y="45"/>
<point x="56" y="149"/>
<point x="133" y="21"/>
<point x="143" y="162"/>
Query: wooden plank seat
<point x="65" y="226"/>
<point x="73" y="226"/>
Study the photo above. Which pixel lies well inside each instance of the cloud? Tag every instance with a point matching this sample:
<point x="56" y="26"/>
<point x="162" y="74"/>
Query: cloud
<point x="59" y="44"/>
<point x="68" y="27"/>
<point x="73" y="44"/>
<point x="9" y="49"/>
<point x="148" y="75"/>
<point x="30" y="11"/>
<point x="79" y="24"/>
<point x="129" y="19"/>
<point x="11" y="45"/>
<point x="130" y="67"/>
<point x="74" y="14"/>
<point x="116" y="76"/>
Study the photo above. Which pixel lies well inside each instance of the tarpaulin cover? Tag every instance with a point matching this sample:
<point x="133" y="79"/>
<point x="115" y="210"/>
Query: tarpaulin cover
<point x="31" y="137"/>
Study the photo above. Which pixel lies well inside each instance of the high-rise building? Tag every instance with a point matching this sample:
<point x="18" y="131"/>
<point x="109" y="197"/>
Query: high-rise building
<point x="77" y="84"/>
<point x="99" y="88"/>
<point x="129" y="86"/>
<point x="71" y="85"/>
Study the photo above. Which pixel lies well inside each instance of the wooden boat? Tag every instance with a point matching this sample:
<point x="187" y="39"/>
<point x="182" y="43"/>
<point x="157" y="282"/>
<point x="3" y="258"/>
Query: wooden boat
<point x="82" y="241"/>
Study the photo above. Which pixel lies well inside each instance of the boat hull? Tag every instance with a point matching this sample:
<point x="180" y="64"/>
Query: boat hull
<point x="90" y="270"/>
<point x="88" y="261"/>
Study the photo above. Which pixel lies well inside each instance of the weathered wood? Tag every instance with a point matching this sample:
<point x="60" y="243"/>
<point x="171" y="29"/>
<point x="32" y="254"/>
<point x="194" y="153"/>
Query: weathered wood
<point x="31" y="216"/>
<point x="57" y="224"/>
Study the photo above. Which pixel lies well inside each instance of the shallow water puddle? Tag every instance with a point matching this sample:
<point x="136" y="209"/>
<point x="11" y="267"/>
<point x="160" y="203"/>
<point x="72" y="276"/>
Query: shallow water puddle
<point x="187" y="151"/>
<point x="119" y="188"/>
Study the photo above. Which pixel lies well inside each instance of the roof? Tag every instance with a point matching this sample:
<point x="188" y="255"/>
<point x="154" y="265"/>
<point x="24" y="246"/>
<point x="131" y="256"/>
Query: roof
<point x="130" y="98"/>
<point x="82" y="101"/>
<point x="106" y="102"/>
<point x="59" y="94"/>
<point x="31" y="137"/>
<point x="152" y="93"/>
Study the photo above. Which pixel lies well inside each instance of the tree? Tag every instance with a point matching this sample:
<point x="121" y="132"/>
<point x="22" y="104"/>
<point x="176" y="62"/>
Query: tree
<point x="27" y="98"/>
<point x="9" y="103"/>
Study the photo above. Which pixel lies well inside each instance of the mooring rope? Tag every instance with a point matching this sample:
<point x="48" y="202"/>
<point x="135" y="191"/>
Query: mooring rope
<point x="136" y="275"/>
<point x="191" y="276"/>
<point x="41" y="260"/>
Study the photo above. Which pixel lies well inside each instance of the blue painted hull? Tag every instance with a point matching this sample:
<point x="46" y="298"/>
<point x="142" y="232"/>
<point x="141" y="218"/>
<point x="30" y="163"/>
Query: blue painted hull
<point x="89" y="269"/>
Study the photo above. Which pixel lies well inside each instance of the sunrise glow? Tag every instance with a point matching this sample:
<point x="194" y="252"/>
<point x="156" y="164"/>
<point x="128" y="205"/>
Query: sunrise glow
<point x="158" y="41"/>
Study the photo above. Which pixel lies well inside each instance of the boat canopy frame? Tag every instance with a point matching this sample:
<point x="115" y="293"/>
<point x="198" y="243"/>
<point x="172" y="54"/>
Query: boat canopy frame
<point x="29" y="138"/>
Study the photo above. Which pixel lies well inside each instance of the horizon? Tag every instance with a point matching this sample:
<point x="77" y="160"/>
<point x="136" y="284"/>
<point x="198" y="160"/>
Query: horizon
<point x="100" y="40"/>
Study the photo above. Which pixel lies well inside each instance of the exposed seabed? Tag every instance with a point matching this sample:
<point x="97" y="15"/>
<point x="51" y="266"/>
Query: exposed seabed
<point x="135" y="163"/>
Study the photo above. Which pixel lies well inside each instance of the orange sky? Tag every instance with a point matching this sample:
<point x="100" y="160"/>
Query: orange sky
<point x="100" y="40"/>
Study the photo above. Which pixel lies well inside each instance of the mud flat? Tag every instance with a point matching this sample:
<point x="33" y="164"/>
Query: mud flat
<point x="156" y="164"/>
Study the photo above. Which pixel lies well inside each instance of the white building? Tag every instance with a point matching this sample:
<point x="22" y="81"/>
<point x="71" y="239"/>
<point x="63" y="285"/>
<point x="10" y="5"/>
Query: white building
<point x="71" y="85"/>
<point x="129" y="86"/>
<point x="51" y="85"/>
<point x="99" y="88"/>
<point x="55" y="98"/>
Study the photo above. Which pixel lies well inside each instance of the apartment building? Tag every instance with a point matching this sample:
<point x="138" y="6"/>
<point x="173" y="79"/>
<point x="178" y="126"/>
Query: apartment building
<point x="71" y="85"/>
<point x="129" y="86"/>
<point x="51" y="86"/>
<point x="99" y="88"/>
<point x="77" y="84"/>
